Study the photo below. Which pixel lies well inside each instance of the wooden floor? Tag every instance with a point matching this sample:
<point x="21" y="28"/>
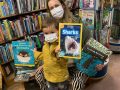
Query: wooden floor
<point x="17" y="86"/>
<point x="110" y="82"/>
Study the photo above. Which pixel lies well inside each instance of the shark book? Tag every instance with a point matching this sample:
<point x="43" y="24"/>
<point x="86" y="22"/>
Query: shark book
<point x="70" y="36"/>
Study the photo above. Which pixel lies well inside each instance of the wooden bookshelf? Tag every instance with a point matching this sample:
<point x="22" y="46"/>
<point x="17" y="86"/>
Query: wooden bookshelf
<point x="8" y="80"/>
<point x="22" y="14"/>
<point x="7" y="68"/>
<point x="15" y="39"/>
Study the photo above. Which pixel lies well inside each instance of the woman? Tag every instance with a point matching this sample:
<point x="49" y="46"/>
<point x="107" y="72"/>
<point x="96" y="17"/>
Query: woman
<point x="60" y="12"/>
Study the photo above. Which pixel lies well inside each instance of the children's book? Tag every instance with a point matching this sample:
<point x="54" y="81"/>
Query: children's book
<point x="70" y="39"/>
<point x="88" y="4"/>
<point x="88" y="18"/>
<point x="93" y="53"/>
<point x="23" y="53"/>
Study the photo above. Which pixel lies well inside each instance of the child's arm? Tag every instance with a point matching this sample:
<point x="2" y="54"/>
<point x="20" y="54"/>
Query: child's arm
<point x="38" y="55"/>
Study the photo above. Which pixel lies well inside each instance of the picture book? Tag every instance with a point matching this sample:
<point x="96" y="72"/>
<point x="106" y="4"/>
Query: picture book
<point x="99" y="47"/>
<point x="70" y="36"/>
<point x="23" y="53"/>
<point x="93" y="53"/>
<point x="88" y="18"/>
<point x="88" y="4"/>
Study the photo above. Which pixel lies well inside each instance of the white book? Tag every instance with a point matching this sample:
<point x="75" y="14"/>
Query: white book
<point x="20" y="28"/>
<point x="16" y="28"/>
<point x="18" y="6"/>
<point x="29" y="5"/>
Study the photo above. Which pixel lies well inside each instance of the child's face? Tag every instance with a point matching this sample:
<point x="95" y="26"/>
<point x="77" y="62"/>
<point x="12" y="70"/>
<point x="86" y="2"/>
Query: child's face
<point x="50" y="33"/>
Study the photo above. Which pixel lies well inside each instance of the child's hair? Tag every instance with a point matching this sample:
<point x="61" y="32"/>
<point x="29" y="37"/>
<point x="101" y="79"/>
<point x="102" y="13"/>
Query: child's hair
<point x="51" y="21"/>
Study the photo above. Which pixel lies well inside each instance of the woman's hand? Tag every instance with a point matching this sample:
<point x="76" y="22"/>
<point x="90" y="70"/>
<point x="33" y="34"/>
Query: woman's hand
<point x="57" y="49"/>
<point x="99" y="67"/>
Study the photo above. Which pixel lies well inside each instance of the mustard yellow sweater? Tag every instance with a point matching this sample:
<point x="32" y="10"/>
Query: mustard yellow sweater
<point x="55" y="69"/>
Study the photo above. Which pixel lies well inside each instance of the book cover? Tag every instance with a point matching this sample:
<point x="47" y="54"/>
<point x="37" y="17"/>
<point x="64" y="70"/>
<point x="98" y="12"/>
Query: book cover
<point x="88" y="18"/>
<point x="70" y="36"/>
<point x="88" y="4"/>
<point x="98" y="46"/>
<point x="80" y="4"/>
<point x="93" y="53"/>
<point x="106" y="18"/>
<point x="23" y="54"/>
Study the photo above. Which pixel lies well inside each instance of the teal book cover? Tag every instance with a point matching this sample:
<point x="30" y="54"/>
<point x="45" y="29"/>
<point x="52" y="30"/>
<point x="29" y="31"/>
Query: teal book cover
<point x="23" y="53"/>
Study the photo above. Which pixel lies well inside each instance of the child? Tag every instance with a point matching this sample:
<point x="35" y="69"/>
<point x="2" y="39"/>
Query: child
<point x="54" y="68"/>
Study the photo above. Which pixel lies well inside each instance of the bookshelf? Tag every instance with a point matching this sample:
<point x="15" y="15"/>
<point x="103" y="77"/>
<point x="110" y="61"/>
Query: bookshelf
<point x="22" y="18"/>
<point x="15" y="39"/>
<point x="7" y="79"/>
<point x="22" y="14"/>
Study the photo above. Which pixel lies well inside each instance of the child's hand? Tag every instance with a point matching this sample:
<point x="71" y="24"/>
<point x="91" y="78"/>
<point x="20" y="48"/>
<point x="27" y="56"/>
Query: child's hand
<point x="35" y="49"/>
<point x="99" y="67"/>
<point x="57" y="49"/>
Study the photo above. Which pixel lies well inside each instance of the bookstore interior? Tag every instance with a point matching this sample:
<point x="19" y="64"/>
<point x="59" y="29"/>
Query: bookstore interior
<point x="58" y="44"/>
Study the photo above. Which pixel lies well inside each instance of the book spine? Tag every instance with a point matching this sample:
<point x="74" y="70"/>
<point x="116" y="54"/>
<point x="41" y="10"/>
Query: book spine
<point x="7" y="28"/>
<point x="1" y="34"/>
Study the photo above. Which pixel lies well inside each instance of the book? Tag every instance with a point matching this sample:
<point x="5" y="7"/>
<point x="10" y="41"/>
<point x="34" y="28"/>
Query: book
<point x="69" y="3"/>
<point x="93" y="53"/>
<point x="88" y="18"/>
<point x="7" y="69"/>
<point x="70" y="36"/>
<point x="88" y="4"/>
<point x="1" y="35"/>
<point x="23" y="53"/>
<point x="10" y="7"/>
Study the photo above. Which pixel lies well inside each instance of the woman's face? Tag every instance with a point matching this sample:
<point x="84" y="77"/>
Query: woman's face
<point x="53" y="3"/>
<point x="56" y="9"/>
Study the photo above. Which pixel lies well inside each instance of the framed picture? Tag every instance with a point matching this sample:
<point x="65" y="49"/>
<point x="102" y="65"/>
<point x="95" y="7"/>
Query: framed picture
<point x="70" y="39"/>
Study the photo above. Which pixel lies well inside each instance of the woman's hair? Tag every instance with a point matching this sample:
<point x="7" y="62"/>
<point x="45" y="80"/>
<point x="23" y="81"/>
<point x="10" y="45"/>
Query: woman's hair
<point x="67" y="14"/>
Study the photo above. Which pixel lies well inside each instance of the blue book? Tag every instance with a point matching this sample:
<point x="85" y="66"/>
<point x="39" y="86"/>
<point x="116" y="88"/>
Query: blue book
<point x="4" y="11"/>
<point x="9" y="2"/>
<point x="26" y="26"/>
<point x="93" y="53"/>
<point x="23" y="53"/>
<point x="5" y="59"/>
<point x="81" y="4"/>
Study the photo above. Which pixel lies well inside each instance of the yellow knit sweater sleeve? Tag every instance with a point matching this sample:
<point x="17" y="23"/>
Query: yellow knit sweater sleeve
<point x="38" y="56"/>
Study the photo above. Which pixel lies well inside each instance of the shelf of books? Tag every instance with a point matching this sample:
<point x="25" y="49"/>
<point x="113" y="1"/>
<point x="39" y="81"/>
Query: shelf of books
<point x="96" y="15"/>
<point x="11" y="8"/>
<point x="26" y="13"/>
<point x="20" y="20"/>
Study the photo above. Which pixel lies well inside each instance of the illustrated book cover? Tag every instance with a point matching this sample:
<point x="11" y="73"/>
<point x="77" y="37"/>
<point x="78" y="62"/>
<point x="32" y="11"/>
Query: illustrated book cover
<point x="93" y="53"/>
<point x="23" y="53"/>
<point x="88" y="18"/>
<point x="70" y="39"/>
